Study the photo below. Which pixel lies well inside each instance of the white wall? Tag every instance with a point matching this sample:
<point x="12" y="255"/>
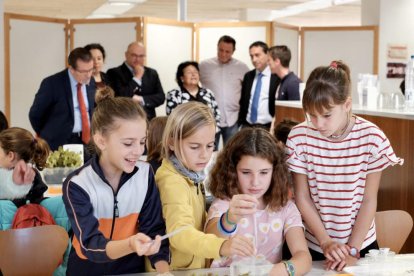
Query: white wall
<point x="396" y="27"/>
<point x="290" y="38"/>
<point x="115" y="45"/>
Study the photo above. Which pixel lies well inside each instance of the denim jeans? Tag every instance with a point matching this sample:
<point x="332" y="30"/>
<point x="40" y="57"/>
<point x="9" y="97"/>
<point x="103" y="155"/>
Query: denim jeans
<point x="227" y="133"/>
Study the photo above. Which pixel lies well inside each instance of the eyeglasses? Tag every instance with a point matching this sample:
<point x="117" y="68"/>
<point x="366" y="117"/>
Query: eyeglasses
<point x="137" y="56"/>
<point x="85" y="71"/>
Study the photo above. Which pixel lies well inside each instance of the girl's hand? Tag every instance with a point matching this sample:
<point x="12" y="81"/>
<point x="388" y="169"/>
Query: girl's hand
<point x="144" y="245"/>
<point x="241" y="205"/>
<point x="237" y="245"/>
<point x="335" y="252"/>
<point x="339" y="266"/>
<point x="23" y="173"/>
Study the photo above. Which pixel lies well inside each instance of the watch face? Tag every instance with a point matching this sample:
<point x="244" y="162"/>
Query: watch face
<point x="353" y="251"/>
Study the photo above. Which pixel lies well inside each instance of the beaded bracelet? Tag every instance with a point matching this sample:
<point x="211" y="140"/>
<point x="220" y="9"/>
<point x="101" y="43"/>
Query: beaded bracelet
<point x="289" y="267"/>
<point x="222" y="229"/>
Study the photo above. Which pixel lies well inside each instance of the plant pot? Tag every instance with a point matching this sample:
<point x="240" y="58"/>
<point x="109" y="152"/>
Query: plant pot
<point x="56" y="175"/>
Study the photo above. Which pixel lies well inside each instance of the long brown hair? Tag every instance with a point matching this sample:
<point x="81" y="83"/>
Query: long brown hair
<point x="27" y="147"/>
<point x="327" y="86"/>
<point x="154" y="138"/>
<point x="254" y="142"/>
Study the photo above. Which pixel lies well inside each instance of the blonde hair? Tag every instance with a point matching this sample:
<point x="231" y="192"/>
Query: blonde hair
<point x="183" y="122"/>
<point x="27" y="147"/>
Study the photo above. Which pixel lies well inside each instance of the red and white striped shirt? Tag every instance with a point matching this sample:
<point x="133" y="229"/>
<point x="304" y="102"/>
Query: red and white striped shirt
<point x="337" y="172"/>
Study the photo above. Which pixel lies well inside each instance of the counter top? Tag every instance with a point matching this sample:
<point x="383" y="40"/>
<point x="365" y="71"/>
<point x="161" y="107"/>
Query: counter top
<point x="317" y="270"/>
<point x="364" y="110"/>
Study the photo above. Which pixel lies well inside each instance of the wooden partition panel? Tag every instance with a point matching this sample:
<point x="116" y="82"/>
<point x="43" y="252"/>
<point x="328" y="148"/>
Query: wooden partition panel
<point x="397" y="183"/>
<point x="168" y="43"/>
<point x="288" y="35"/>
<point x="35" y="47"/>
<point x="245" y="33"/>
<point x="113" y="34"/>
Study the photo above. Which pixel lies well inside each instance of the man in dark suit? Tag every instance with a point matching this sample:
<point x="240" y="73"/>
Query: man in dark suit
<point x="133" y="79"/>
<point x="257" y="102"/>
<point x="57" y="110"/>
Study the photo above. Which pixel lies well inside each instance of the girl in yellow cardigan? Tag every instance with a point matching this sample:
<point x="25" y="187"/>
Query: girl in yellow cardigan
<point x="188" y="142"/>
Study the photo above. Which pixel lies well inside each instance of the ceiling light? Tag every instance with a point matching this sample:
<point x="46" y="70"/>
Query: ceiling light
<point x="303" y="7"/>
<point x="341" y="2"/>
<point x="102" y="15"/>
<point x="125" y="2"/>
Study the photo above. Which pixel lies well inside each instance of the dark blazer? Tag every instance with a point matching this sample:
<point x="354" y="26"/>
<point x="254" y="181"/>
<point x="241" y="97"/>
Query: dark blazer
<point x="105" y="80"/>
<point x="246" y="91"/>
<point x="121" y="81"/>
<point x="52" y="114"/>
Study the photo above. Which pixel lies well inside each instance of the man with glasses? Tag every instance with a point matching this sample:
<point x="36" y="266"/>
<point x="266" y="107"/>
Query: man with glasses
<point x="63" y="105"/>
<point x="133" y="79"/>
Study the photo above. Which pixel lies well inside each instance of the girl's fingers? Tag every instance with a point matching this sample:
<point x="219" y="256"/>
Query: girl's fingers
<point x="245" y="245"/>
<point x="335" y="255"/>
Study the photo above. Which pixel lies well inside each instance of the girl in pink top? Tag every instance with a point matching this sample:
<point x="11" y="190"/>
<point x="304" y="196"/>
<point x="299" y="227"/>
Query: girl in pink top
<point x="250" y="182"/>
<point x="337" y="159"/>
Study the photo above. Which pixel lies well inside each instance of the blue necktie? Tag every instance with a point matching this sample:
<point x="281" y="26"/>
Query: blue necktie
<point x="256" y="96"/>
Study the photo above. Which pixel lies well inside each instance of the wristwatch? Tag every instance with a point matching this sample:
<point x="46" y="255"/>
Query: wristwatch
<point x="354" y="252"/>
<point x="290" y="268"/>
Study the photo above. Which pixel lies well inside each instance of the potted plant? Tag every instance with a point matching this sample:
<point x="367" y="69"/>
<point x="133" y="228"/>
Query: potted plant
<point x="59" y="164"/>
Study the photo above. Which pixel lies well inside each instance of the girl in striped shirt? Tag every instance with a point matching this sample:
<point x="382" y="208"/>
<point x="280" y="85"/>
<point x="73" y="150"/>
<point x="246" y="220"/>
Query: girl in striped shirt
<point x="337" y="159"/>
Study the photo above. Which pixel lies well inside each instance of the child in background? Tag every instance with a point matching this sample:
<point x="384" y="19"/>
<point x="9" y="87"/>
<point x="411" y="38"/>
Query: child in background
<point x="282" y="130"/>
<point x="18" y="144"/>
<point x="113" y="196"/>
<point x="337" y="159"/>
<point x="188" y="143"/>
<point x="250" y="182"/>
<point x="4" y="124"/>
<point x="154" y="141"/>
<point x="104" y="92"/>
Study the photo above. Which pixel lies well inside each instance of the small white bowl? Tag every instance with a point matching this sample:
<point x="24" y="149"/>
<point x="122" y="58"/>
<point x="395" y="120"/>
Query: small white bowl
<point x="384" y="250"/>
<point x="373" y="252"/>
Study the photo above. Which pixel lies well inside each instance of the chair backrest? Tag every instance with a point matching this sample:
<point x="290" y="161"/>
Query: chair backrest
<point x="393" y="228"/>
<point x="32" y="251"/>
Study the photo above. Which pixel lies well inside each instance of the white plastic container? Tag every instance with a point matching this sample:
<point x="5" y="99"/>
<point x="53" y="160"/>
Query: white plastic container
<point x="250" y="267"/>
<point x="409" y="84"/>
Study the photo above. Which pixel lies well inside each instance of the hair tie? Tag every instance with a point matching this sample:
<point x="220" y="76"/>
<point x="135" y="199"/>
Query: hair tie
<point x="34" y="141"/>
<point x="334" y="65"/>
